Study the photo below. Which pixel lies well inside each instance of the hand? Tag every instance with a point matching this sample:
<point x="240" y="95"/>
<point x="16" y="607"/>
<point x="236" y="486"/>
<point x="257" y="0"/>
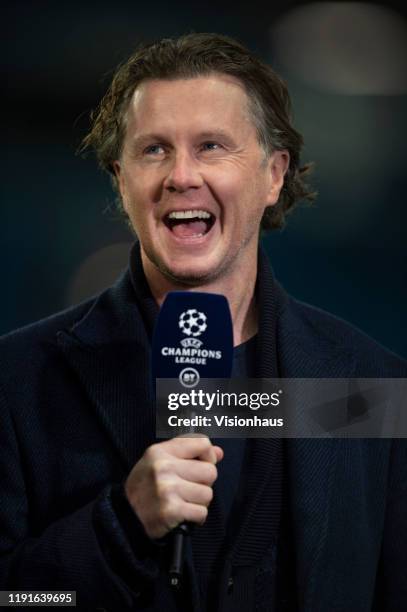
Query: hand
<point x="172" y="483"/>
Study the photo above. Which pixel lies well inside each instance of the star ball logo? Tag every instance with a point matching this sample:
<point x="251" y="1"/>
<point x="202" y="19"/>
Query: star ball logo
<point x="192" y="322"/>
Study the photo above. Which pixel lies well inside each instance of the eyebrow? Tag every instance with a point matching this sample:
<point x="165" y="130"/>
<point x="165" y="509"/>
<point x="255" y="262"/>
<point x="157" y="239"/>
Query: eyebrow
<point x="146" y="139"/>
<point x="138" y="142"/>
<point x="217" y="135"/>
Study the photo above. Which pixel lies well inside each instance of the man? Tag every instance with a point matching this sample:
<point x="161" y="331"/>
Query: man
<point x="197" y="136"/>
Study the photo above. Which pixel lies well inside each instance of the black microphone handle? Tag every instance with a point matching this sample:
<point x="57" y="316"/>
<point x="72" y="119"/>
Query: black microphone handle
<point x="179" y="535"/>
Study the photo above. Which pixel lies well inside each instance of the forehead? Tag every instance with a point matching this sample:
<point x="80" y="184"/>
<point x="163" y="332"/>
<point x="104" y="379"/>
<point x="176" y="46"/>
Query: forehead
<point x="216" y="99"/>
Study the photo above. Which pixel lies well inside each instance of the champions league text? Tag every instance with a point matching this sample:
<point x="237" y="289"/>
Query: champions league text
<point x="194" y="355"/>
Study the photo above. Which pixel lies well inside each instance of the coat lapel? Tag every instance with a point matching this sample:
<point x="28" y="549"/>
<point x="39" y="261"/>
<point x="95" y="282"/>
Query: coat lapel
<point x="109" y="352"/>
<point x="259" y="514"/>
<point x="311" y="463"/>
<point x="287" y="349"/>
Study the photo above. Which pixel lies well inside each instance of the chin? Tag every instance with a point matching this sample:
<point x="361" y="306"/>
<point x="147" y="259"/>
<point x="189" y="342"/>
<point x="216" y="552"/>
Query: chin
<point x="191" y="276"/>
<point x="187" y="270"/>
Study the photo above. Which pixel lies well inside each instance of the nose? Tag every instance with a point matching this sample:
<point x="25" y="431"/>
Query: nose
<point x="183" y="173"/>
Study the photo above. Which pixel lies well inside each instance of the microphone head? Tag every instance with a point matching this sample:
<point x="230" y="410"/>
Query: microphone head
<point x="193" y="338"/>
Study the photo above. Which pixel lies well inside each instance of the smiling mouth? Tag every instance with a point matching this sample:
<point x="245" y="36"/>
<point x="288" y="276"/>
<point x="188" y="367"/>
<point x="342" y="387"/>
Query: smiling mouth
<point x="189" y="223"/>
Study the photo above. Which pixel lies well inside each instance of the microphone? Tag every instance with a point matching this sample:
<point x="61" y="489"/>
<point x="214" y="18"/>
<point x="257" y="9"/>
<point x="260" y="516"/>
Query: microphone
<point x="193" y="339"/>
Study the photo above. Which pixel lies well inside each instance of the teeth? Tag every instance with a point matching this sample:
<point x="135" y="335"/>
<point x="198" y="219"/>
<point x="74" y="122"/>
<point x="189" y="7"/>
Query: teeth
<point x="189" y="214"/>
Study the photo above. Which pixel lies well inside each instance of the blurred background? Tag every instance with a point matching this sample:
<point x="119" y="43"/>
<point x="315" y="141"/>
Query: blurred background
<point x="346" y="67"/>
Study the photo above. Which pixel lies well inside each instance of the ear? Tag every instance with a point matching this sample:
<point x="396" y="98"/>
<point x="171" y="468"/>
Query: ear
<point x="278" y="164"/>
<point x="120" y="181"/>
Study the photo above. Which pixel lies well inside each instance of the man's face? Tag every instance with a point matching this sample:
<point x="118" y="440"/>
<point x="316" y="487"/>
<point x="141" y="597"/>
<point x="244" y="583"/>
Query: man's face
<point x="193" y="178"/>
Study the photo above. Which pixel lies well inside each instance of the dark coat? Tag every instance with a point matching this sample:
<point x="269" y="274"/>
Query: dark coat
<point x="77" y="413"/>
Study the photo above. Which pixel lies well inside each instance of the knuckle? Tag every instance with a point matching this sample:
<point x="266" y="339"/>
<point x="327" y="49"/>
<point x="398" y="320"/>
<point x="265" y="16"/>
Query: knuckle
<point x="203" y="512"/>
<point x="170" y="514"/>
<point x="205" y="443"/>
<point x="160" y="471"/>
<point x="151" y="452"/>
<point x="162" y="466"/>
<point x="197" y="513"/>
<point x="165" y="489"/>
<point x="212" y="472"/>
<point x="209" y="495"/>
<point x="165" y="513"/>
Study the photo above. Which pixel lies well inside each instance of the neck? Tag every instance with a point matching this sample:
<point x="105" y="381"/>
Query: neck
<point x="238" y="287"/>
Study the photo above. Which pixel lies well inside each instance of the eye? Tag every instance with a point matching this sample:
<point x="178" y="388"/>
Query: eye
<point x="211" y="146"/>
<point x="154" y="149"/>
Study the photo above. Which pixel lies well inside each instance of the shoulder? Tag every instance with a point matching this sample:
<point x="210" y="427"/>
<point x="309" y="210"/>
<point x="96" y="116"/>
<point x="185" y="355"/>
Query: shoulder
<point x="329" y="333"/>
<point x="97" y="322"/>
<point x="45" y="329"/>
<point x="107" y="304"/>
<point x="315" y="343"/>
<point x="27" y="346"/>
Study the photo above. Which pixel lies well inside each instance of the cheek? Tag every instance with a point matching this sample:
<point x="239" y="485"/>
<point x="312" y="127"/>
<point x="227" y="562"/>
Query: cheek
<point x="228" y="188"/>
<point x="135" y="195"/>
<point x="144" y="190"/>
<point x="259" y="194"/>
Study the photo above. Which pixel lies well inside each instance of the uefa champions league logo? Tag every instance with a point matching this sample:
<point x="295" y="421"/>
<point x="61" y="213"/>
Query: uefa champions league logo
<point x="192" y="322"/>
<point x="192" y="352"/>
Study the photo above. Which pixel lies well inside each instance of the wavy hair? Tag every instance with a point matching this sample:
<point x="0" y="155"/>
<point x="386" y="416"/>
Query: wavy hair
<point x="195" y="55"/>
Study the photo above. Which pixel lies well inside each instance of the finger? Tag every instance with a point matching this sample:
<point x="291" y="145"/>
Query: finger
<point x="214" y="454"/>
<point x="194" y="493"/>
<point x="209" y="454"/>
<point x="194" y="513"/>
<point x="193" y="470"/>
<point x="170" y="489"/>
<point x="219" y="453"/>
<point x="188" y="447"/>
